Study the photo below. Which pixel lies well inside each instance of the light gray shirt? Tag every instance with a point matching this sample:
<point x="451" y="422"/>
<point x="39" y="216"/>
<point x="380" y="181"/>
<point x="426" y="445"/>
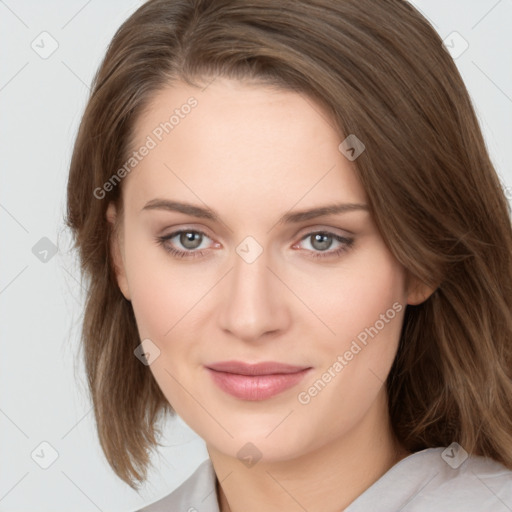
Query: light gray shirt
<point x="435" y="479"/>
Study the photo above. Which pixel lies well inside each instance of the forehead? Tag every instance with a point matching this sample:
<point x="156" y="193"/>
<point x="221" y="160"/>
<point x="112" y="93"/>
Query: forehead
<point x="252" y="143"/>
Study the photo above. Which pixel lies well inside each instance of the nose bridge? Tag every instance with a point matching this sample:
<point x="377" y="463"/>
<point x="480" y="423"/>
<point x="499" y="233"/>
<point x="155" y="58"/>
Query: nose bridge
<point x="253" y="302"/>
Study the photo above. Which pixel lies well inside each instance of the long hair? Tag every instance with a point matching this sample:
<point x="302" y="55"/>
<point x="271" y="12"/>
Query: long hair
<point x="381" y="71"/>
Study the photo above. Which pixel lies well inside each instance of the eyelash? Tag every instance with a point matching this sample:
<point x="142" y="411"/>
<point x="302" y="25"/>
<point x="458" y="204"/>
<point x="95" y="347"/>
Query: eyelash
<point x="346" y="245"/>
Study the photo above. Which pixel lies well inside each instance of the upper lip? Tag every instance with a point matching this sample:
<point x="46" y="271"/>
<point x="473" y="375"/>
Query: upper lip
<point x="263" y="368"/>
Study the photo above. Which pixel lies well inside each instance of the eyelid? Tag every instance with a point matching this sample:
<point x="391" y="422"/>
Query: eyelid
<point x="316" y="228"/>
<point x="169" y="230"/>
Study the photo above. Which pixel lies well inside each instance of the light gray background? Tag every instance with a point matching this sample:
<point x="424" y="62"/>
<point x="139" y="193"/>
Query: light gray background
<point x="41" y="100"/>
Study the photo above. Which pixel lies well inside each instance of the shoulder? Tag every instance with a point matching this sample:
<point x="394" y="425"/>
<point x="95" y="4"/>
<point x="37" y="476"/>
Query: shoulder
<point x="196" y="494"/>
<point x="442" y="479"/>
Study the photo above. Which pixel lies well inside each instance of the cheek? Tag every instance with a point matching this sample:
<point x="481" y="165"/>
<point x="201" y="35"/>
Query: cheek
<point x="353" y="297"/>
<point x="367" y="317"/>
<point x="377" y="310"/>
<point x="365" y="312"/>
<point x="162" y="292"/>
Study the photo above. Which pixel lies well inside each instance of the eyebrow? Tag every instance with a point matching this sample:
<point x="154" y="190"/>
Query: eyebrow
<point x="287" y="218"/>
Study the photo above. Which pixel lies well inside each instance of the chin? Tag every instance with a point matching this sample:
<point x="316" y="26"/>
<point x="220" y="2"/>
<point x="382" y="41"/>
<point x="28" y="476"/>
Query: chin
<point x="267" y="440"/>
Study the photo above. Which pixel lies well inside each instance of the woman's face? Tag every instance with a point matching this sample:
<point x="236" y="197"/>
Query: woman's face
<point x="253" y="280"/>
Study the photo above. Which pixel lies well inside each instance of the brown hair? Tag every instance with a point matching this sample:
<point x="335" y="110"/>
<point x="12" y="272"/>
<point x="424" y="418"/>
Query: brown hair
<point x="381" y="71"/>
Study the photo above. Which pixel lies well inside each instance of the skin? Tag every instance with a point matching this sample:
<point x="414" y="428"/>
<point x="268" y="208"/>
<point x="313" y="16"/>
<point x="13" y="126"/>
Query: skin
<point x="253" y="153"/>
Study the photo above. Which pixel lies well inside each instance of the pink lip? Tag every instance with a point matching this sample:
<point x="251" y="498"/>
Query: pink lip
<point x="255" y="381"/>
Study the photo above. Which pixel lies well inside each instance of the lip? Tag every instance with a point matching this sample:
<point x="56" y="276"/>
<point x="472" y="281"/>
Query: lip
<point x="263" y="368"/>
<point x="255" y="381"/>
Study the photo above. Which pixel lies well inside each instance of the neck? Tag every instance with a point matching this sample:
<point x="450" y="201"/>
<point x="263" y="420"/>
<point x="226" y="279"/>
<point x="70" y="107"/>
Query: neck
<point x="326" y="479"/>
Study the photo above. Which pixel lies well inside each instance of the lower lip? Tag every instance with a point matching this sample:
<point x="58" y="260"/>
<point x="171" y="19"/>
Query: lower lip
<point x="256" y="387"/>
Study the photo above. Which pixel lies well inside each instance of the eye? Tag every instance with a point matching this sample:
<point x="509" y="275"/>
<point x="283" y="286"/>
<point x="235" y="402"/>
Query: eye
<point x="189" y="239"/>
<point x="321" y="242"/>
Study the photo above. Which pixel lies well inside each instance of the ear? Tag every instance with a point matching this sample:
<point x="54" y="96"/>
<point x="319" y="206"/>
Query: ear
<point x="417" y="290"/>
<point x="117" y="252"/>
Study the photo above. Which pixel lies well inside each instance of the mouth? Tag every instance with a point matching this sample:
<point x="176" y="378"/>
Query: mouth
<point x="255" y="382"/>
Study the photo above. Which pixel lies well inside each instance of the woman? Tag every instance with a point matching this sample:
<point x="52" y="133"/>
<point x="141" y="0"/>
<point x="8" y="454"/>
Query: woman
<point x="295" y="240"/>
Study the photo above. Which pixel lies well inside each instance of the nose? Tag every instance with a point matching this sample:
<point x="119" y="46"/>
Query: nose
<point x="253" y="302"/>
